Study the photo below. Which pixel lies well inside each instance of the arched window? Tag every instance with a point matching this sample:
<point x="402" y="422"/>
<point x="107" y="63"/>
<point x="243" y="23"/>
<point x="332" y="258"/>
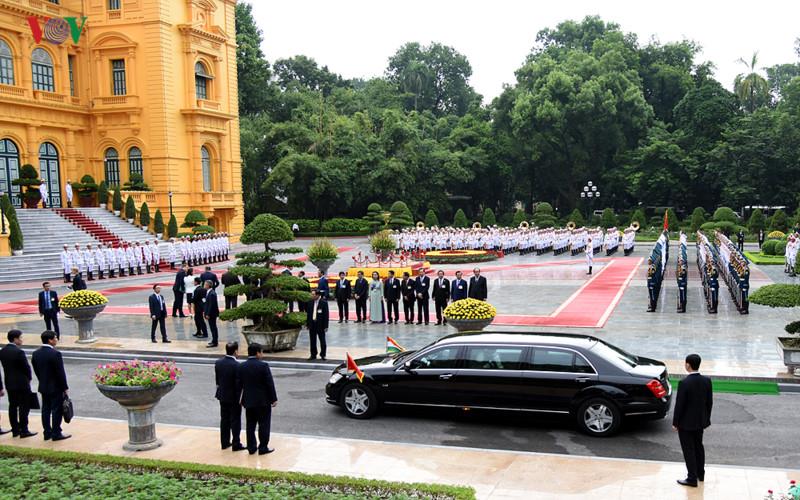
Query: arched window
<point x="6" y="64"/>
<point x="112" y="167"/>
<point x="9" y="170"/>
<point x="205" y="159"/>
<point x="135" y="161"/>
<point x="202" y="81"/>
<point x="42" y="68"/>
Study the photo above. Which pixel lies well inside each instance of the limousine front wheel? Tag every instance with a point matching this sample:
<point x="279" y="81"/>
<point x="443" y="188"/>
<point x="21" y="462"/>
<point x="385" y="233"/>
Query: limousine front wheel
<point x="599" y="417"/>
<point x="359" y="401"/>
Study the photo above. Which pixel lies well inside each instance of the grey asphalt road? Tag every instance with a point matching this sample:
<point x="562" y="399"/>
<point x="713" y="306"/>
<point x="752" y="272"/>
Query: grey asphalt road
<point x="746" y="430"/>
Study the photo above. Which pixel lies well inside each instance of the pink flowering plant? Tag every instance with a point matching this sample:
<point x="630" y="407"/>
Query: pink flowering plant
<point x="137" y="373"/>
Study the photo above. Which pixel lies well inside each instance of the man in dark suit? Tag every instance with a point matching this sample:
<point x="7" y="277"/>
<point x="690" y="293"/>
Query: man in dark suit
<point x="178" y="289"/>
<point x="18" y="384"/>
<point x="230" y="279"/>
<point x="158" y="315"/>
<point x="342" y="294"/>
<point x="477" y="286"/>
<point x="48" y="366"/>
<point x="209" y="276"/>
<point x="211" y="313"/>
<point x="392" y="290"/>
<point x="408" y="289"/>
<point x="198" y="301"/>
<point x="258" y="399"/>
<point x="361" y="293"/>
<point x="317" y="322"/>
<point x="77" y="280"/>
<point x="48" y="307"/>
<point x="322" y="286"/>
<point x="441" y="294"/>
<point x="691" y="416"/>
<point x="422" y="288"/>
<point x="458" y="289"/>
<point x="229" y="395"/>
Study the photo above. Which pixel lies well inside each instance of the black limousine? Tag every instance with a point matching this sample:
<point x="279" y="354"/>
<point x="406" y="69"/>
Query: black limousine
<point x="594" y="382"/>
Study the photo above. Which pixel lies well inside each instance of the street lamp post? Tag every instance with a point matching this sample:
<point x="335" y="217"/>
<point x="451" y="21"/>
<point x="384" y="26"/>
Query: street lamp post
<point x="2" y="215"/>
<point x="170" y="203"/>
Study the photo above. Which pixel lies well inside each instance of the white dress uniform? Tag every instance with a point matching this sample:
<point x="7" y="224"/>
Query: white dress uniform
<point x="111" y="260"/>
<point x="100" y="261"/>
<point x="76" y="257"/>
<point x="122" y="259"/>
<point x="88" y="259"/>
<point x="66" y="264"/>
<point x="130" y="255"/>
<point x="172" y="253"/>
<point x="589" y="256"/>
<point x="147" y="255"/>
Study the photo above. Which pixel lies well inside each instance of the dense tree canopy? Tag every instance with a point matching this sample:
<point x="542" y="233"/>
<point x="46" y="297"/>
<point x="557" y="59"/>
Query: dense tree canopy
<point x="647" y="122"/>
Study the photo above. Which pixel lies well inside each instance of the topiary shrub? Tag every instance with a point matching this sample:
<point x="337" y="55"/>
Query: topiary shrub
<point x="8" y="208"/>
<point x="87" y="190"/>
<point x="757" y="221"/>
<point x="544" y="215"/>
<point x="194" y="218"/>
<point x="778" y="221"/>
<point x="144" y="215"/>
<point x="102" y="193"/>
<point x="673" y="222"/>
<point x="172" y="227"/>
<point x="158" y="223"/>
<point x="431" y="219"/>
<point x="130" y="208"/>
<point x="117" y="200"/>
<point x="15" y="238"/>
<point x="792" y="328"/>
<point x="136" y="183"/>
<point x="29" y="180"/>
<point x="488" y="218"/>
<point x="341" y="225"/>
<point x="460" y="219"/>
<point x="768" y="248"/>
<point x="375" y="217"/>
<point x="267" y="313"/>
<point x="400" y="216"/>
<point x="608" y="219"/>
<point x="698" y="218"/>
<point x="519" y="218"/>
<point x="203" y="229"/>
<point x="777" y="295"/>
<point x="725" y="214"/>
<point x="638" y="216"/>
<point x="577" y="217"/>
<point x="780" y="247"/>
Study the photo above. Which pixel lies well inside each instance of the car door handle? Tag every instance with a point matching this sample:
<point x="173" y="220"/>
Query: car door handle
<point x="582" y="379"/>
<point x="445" y="376"/>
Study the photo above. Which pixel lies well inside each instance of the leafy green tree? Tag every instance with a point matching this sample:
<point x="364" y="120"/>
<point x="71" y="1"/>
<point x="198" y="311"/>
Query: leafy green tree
<point x="144" y="215"/>
<point x="460" y="219"/>
<point x="638" y="216"/>
<point x="158" y="222"/>
<point x="305" y="72"/>
<point x="698" y="218"/>
<point x="725" y="214"/>
<point x="544" y="215"/>
<point x="757" y="221"/>
<point x="519" y="217"/>
<point x="172" y="226"/>
<point x="577" y="217"/>
<point x="400" y="216"/>
<point x="608" y="219"/>
<point x="252" y="69"/>
<point x="751" y="88"/>
<point x="431" y="219"/>
<point x="488" y="218"/>
<point x="778" y="221"/>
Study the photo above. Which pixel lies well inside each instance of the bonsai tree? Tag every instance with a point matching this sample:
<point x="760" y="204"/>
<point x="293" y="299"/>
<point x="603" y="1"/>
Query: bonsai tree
<point x="400" y="216"/>
<point x="117" y="200"/>
<point x="460" y="219"/>
<point x="375" y="217"/>
<point x="29" y="180"/>
<point x="136" y="183"/>
<point x="203" y="229"/>
<point x="544" y="215"/>
<point x="144" y="215"/>
<point x="725" y="214"/>
<point x="130" y="208"/>
<point x="172" y="227"/>
<point x="488" y="218"/>
<point x="158" y="223"/>
<point x="698" y="218"/>
<point x="193" y="219"/>
<point x="431" y="219"/>
<point x="102" y="193"/>
<point x="519" y="218"/>
<point x="87" y="189"/>
<point x="577" y="217"/>
<point x="267" y="313"/>
<point x="757" y="221"/>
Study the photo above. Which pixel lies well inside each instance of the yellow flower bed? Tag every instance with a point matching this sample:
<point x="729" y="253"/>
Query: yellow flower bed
<point x="470" y="309"/>
<point x="82" y="298"/>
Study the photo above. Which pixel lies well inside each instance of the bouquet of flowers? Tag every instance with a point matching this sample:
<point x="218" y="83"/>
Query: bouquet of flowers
<point x="792" y="494"/>
<point x="82" y="298"/>
<point x="470" y="309"/>
<point x="137" y="373"/>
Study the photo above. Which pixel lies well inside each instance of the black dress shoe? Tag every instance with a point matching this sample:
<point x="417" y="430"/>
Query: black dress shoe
<point x="252" y="452"/>
<point x="264" y="452"/>
<point x="225" y="446"/>
<point x="686" y="482"/>
<point x="166" y="341"/>
<point x="323" y="358"/>
<point x="198" y="335"/>
<point x="14" y="434"/>
<point x="46" y="437"/>
<point x="238" y="447"/>
<point x="341" y="320"/>
<point x="701" y="478"/>
<point x="61" y="437"/>
<point x="311" y="358"/>
<point x="27" y="434"/>
<point x="211" y="344"/>
<point x="154" y="341"/>
<point x="4" y="432"/>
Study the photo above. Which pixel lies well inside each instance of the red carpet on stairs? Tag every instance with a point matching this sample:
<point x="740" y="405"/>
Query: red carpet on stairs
<point x="88" y="225"/>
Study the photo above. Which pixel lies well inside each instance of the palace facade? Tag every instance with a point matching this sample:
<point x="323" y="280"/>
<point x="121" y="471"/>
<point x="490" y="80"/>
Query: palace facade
<point x="146" y="86"/>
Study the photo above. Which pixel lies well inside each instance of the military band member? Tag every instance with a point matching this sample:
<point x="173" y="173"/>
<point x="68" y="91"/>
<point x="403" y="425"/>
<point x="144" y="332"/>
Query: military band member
<point x="172" y="253"/>
<point x="147" y="256"/>
<point x="156" y="257"/>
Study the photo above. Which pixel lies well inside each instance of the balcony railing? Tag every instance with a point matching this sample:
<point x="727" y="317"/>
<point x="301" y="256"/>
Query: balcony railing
<point x="13" y="91"/>
<point x="206" y="104"/>
<point x="115" y="100"/>
<point x="41" y="95"/>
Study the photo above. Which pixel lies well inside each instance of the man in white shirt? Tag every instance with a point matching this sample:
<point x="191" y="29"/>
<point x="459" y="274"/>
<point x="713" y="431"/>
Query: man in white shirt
<point x="156" y="256"/>
<point x="43" y="192"/>
<point x="147" y="256"/>
<point x="111" y="260"/>
<point x="122" y="258"/>
<point x="100" y="260"/>
<point x="88" y="259"/>
<point x="66" y="263"/>
<point x="68" y="192"/>
<point x="76" y="257"/>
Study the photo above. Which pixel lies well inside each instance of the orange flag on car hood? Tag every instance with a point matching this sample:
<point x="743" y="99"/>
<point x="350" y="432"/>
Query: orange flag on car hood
<point x="353" y="367"/>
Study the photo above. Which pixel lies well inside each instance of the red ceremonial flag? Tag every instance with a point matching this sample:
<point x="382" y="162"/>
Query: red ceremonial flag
<point x="353" y="367"/>
<point x="666" y="220"/>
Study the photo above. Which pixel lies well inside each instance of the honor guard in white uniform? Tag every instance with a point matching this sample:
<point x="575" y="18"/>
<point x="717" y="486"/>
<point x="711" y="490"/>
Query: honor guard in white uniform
<point x="147" y="256"/>
<point x="88" y="259"/>
<point x="156" y="257"/>
<point x="589" y="255"/>
<point x="122" y="258"/>
<point x="111" y="259"/>
<point x="66" y="263"/>
<point x="172" y="253"/>
<point x="138" y="256"/>
<point x="130" y="255"/>
<point x="185" y="251"/>
<point x="76" y="257"/>
<point x="100" y="261"/>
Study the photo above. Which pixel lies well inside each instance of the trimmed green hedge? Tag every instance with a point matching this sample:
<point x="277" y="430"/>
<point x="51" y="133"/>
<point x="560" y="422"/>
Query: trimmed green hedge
<point x="29" y="472"/>
<point x="768" y="247"/>
<point x="461" y="259"/>
<point x="341" y="225"/>
<point x="332" y="235"/>
<point x="765" y="260"/>
<point x="306" y="225"/>
<point x="777" y="295"/>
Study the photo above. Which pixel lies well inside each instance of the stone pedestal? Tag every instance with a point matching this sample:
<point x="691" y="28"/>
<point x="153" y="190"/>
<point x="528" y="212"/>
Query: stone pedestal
<point x="139" y="403"/>
<point x="85" y="318"/>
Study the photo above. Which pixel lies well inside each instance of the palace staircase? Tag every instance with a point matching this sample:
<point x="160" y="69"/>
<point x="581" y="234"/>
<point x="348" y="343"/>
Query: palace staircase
<point x="88" y="225"/>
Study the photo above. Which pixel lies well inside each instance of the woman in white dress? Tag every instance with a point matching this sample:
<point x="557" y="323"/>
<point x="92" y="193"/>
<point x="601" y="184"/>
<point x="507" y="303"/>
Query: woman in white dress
<point x="376" y="299"/>
<point x="189" y="286"/>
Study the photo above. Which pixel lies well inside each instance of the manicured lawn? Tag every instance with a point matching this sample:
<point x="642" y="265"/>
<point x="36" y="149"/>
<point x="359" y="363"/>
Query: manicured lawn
<point x="738" y="386"/>
<point x="765" y="260"/>
<point x="47" y="474"/>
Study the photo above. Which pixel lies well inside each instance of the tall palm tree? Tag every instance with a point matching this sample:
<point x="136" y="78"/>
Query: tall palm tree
<point x="752" y="88"/>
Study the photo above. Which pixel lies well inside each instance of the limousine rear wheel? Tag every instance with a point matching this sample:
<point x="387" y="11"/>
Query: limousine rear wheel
<point x="359" y="401"/>
<point x="599" y="417"/>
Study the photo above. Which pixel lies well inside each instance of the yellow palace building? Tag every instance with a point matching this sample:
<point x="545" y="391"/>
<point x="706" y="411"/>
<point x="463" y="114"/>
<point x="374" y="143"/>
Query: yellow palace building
<point x="115" y="87"/>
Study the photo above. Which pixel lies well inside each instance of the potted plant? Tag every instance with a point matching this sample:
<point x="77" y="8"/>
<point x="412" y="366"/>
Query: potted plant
<point x="172" y="227"/>
<point x="144" y="216"/>
<point x="87" y="190"/>
<point x="781" y="295"/>
<point x="469" y="315"/>
<point x="158" y="224"/>
<point x="83" y="306"/>
<point x="29" y="179"/>
<point x="102" y="194"/>
<point x="117" y="202"/>
<point x="272" y="326"/>
<point x="130" y="210"/>
<point x="322" y="253"/>
<point x="138" y="386"/>
<point x="382" y="243"/>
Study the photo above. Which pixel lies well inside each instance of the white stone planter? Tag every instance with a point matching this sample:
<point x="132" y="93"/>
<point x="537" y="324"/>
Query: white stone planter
<point x="139" y="401"/>
<point x="85" y="317"/>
